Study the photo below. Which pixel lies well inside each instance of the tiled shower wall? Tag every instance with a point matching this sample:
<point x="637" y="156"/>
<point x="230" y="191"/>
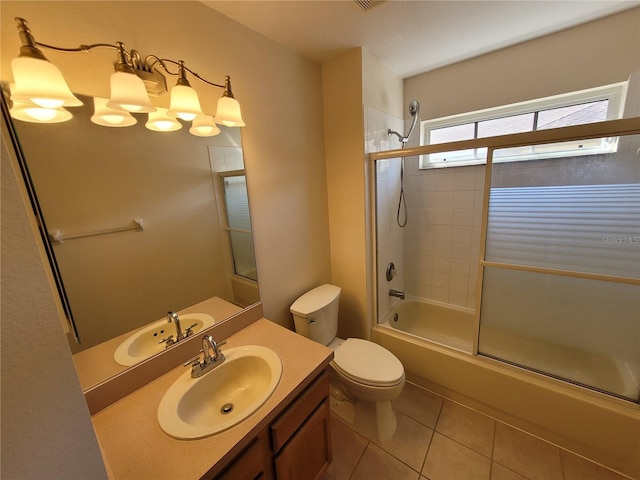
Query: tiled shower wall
<point x="436" y="254"/>
<point x="442" y="236"/>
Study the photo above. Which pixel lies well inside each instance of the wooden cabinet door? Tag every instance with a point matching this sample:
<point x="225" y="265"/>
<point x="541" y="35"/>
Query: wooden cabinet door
<point x="308" y="453"/>
<point x="254" y="463"/>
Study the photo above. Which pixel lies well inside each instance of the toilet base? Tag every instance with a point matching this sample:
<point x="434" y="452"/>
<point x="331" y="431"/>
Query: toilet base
<point x="375" y="420"/>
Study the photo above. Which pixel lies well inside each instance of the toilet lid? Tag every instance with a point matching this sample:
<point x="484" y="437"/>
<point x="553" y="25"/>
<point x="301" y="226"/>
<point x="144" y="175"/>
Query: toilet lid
<point x="368" y="363"/>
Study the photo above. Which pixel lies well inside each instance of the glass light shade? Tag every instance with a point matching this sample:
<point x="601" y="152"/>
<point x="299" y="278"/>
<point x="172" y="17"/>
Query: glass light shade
<point x="184" y="103"/>
<point x="129" y="93"/>
<point x="228" y="112"/>
<point x="40" y="82"/>
<point x="159" y="121"/>
<point x="204" y="126"/>
<point x="34" y="113"/>
<point x="110" y="117"/>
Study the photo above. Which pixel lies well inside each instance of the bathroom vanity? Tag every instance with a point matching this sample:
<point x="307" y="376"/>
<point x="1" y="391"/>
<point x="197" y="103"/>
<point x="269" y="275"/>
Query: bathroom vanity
<point x="287" y="437"/>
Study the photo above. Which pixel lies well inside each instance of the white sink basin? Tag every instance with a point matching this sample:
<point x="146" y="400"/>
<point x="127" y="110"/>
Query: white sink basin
<point x="223" y="397"/>
<point x="145" y="343"/>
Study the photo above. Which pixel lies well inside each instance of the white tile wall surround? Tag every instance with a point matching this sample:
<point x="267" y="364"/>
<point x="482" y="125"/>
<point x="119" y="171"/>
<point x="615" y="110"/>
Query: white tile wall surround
<point x="225" y="158"/>
<point x="442" y="237"/>
<point x="436" y="255"/>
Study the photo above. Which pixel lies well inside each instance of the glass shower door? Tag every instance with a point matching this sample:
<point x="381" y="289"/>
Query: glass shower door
<point x="561" y="265"/>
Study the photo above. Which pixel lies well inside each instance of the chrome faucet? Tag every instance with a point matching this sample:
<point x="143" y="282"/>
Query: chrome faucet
<point x="209" y="360"/>
<point x="173" y="317"/>
<point x="208" y="345"/>
<point x="396" y="293"/>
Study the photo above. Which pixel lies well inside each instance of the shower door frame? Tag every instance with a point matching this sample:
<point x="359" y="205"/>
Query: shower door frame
<point x="610" y="128"/>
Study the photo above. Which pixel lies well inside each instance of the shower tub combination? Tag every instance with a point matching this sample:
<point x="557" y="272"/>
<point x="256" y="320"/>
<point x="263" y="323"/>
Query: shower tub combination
<point x="508" y="364"/>
<point x="435" y="343"/>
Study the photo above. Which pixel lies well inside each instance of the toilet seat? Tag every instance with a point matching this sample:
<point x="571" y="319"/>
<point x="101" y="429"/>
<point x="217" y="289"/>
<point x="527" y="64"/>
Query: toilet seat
<point x="368" y="363"/>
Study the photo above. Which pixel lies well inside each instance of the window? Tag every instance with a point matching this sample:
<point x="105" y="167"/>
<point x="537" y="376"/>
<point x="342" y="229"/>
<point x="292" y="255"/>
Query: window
<point x="239" y="224"/>
<point x="586" y="106"/>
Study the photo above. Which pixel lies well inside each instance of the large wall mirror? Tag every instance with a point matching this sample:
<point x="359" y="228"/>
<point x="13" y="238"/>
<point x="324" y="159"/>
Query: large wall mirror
<point x="139" y="223"/>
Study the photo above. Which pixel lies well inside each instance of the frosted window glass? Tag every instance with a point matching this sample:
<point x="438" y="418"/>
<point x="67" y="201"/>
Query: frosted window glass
<point x="237" y="207"/>
<point x="583" y="228"/>
<point x="237" y="202"/>
<point x="452" y="134"/>
<point x="585" y="331"/>
<point x="506" y="125"/>
<point x="573" y="115"/>
<point x="244" y="259"/>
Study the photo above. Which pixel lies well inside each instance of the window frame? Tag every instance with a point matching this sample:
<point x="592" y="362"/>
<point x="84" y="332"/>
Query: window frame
<point x="615" y="94"/>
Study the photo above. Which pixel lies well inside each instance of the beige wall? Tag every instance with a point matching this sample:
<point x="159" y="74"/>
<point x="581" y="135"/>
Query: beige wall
<point x="281" y="97"/>
<point x="343" y="125"/>
<point x="597" y="53"/>
<point x="362" y="100"/>
<point x="46" y="430"/>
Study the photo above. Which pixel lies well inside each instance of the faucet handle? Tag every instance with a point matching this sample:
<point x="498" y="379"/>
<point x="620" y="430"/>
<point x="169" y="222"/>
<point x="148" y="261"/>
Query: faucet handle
<point x="194" y="362"/>
<point x="168" y="340"/>
<point x="216" y="348"/>
<point x="188" y="331"/>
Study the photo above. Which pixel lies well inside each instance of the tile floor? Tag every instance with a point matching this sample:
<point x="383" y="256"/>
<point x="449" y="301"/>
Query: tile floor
<point x="437" y="439"/>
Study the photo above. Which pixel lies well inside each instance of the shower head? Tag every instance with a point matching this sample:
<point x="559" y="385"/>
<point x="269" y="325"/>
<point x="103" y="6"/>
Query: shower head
<point x="414" y="110"/>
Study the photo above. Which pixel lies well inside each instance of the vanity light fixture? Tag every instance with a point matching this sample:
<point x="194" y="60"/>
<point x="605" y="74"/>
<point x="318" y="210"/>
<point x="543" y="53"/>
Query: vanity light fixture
<point x="161" y="121"/>
<point x="29" y="112"/>
<point x="110" y="117"/>
<point x="204" y="126"/>
<point x="40" y="91"/>
<point x="38" y="81"/>
<point x="127" y="90"/>
<point x="185" y="103"/>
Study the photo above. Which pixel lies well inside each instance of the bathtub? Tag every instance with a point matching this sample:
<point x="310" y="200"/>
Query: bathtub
<point x="437" y="322"/>
<point x="435" y="343"/>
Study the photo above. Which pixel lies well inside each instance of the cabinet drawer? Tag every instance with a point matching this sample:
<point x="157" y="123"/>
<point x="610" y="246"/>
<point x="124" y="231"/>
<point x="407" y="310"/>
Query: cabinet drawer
<point x="284" y="428"/>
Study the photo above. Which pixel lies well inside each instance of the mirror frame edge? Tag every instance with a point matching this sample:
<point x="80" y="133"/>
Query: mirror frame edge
<point x="36" y="219"/>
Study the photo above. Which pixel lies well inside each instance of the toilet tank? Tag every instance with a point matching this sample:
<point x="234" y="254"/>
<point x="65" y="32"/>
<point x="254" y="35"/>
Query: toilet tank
<point x="315" y="314"/>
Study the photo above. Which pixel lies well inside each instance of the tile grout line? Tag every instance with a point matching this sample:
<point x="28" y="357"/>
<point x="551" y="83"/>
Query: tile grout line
<point x="493" y="448"/>
<point x="522" y="430"/>
<point x="433" y="434"/>
<point x="355" y="467"/>
<point x="561" y="463"/>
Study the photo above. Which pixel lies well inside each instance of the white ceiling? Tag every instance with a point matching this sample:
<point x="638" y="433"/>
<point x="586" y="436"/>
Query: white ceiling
<point x="411" y="36"/>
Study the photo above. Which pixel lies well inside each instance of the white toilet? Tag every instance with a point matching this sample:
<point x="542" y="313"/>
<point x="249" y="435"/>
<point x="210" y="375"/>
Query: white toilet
<point x="365" y="378"/>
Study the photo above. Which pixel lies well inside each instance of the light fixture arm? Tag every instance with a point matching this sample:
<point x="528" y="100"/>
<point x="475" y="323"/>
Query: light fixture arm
<point x="30" y="43"/>
<point x="129" y="92"/>
<point x="151" y="62"/>
<point x="125" y="59"/>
